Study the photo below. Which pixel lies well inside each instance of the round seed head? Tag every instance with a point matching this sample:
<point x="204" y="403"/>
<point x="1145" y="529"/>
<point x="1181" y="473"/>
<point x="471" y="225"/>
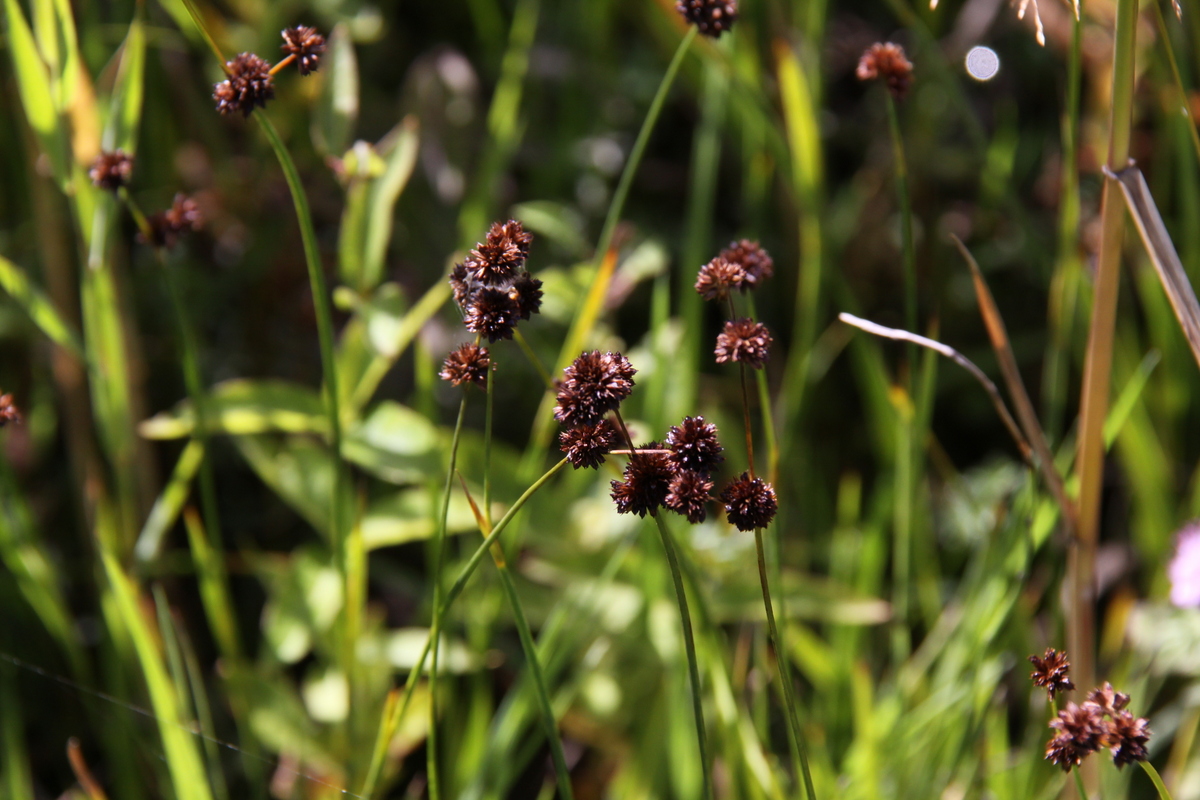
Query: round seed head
<point x="689" y="493"/>
<point x="111" y="171"/>
<point x="755" y="261"/>
<point x="694" y="445"/>
<point x="594" y="384"/>
<point x="306" y="45"/>
<point x="888" y="63"/>
<point x="646" y="485"/>
<point x="743" y="340"/>
<point x="718" y="277"/>
<point x="712" y="17"/>
<point x="491" y="312"/>
<point x="586" y="445"/>
<point x="468" y="364"/>
<point x="249" y="85"/>
<point x="749" y="503"/>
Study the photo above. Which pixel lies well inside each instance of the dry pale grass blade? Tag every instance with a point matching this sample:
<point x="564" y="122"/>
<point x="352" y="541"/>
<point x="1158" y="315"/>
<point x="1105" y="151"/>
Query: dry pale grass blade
<point x="998" y="335"/>
<point x="1162" y="252"/>
<point x="1178" y="9"/>
<point x="1040" y="30"/>
<point x="955" y="356"/>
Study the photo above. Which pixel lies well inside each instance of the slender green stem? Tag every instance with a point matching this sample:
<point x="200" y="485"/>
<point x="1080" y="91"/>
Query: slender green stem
<point x="785" y="670"/>
<point x="1182" y="98"/>
<point x="435" y="629"/>
<point x="689" y="641"/>
<point x="549" y="721"/>
<point x="391" y="722"/>
<point x="1079" y="787"/>
<point x="316" y="277"/>
<point x="542" y="372"/>
<point x="199" y="20"/>
<point x="1156" y="779"/>
<point x="1098" y="364"/>
<point x="906" y="222"/>
<point x="639" y="146"/>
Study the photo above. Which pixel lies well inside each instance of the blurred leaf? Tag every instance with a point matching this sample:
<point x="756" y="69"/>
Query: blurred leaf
<point x="327" y="695"/>
<point x="279" y="721"/>
<point x="298" y="470"/>
<point x="394" y="443"/>
<point x="188" y="775"/>
<point x="558" y="222"/>
<point x="17" y="782"/>
<point x="39" y="308"/>
<point x="384" y="192"/>
<point x="304" y="599"/>
<point x="33" y="84"/>
<point x="407" y="516"/>
<point x="337" y="110"/>
<point x="169" y="503"/>
<point x="214" y="586"/>
<point x="811" y="597"/>
<point x="125" y="106"/>
<point x="1168" y="638"/>
<point x="401" y="649"/>
<point x="240" y="407"/>
<point x="360" y="166"/>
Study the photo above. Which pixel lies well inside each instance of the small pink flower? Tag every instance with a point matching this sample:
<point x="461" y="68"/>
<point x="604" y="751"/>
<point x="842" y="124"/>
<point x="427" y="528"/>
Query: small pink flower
<point x="1184" y="569"/>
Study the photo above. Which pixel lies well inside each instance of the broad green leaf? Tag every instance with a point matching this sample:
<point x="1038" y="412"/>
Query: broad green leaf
<point x="242" y="407"/>
<point x="557" y="222"/>
<point x="33" y="85"/>
<point x="39" y="308"/>
<point x="408" y="516"/>
<point x="297" y="469"/>
<point x="337" y="110"/>
<point x="360" y="165"/>
<point x="278" y="719"/>
<point x="394" y="443"/>
<point x="384" y="193"/>
<point x="326" y="695"/>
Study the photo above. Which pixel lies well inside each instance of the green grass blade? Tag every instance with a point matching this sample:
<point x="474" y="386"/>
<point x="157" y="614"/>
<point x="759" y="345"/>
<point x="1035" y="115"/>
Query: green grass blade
<point x="125" y="107"/>
<point x="34" y="88"/>
<point x="41" y="311"/>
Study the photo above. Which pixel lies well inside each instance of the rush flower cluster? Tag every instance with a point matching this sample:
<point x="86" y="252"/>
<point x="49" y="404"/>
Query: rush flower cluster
<point x="711" y="17"/>
<point x="593" y="385"/>
<point x="249" y="81"/>
<point x="492" y="287"/>
<point x="888" y="63"/>
<point x="1100" y="722"/>
<point x="676" y="477"/>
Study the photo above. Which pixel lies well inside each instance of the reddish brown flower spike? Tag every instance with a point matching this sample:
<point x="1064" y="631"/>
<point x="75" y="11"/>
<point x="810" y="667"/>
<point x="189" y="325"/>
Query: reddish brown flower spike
<point x="887" y="62"/>
<point x="755" y="261"/>
<point x="718" y="277"/>
<point x="493" y="313"/>
<point x="1127" y="738"/>
<point x="694" y="445"/>
<point x="8" y="410"/>
<point x="646" y="485"/>
<point x="468" y="364"/>
<point x="712" y="17"/>
<point x="586" y="445"/>
<point x="249" y="85"/>
<point x="1081" y="731"/>
<point x="111" y="171"/>
<point x="689" y="493"/>
<point x="743" y="340"/>
<point x="1107" y="699"/>
<point x="749" y="503"/>
<point x="593" y="385"/>
<point x="306" y="45"/>
<point x="1052" y="672"/>
<point x="167" y="226"/>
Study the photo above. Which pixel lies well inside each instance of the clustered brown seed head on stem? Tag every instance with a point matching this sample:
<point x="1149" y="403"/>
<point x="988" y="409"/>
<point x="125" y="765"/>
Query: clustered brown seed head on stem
<point x="492" y="287"/>
<point x="112" y="171"/>
<point x="888" y="63"/>
<point x="1100" y="722"/>
<point x="749" y="501"/>
<point x="494" y="292"/>
<point x="249" y="81"/>
<point x="711" y="17"/>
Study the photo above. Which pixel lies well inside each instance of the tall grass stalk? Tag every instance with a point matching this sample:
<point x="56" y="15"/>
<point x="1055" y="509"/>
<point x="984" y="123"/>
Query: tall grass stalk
<point x="1098" y="363"/>
<point x="689" y="642"/>
<point x="395" y="711"/>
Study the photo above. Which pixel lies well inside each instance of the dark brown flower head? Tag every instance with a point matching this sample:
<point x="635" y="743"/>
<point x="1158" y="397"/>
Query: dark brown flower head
<point x="502" y="254"/>
<point x="8" y="410"/>
<point x="1081" y="731"/>
<point x="586" y="445"/>
<point x="306" y="45"/>
<point x="749" y="503"/>
<point x="694" y="446"/>
<point x="468" y="364"/>
<point x="1107" y="699"/>
<point x="167" y="226"/>
<point x="712" y="17"/>
<point x="492" y="312"/>
<point x="248" y="85"/>
<point x="526" y="292"/>
<point x="111" y="171"/>
<point x="1052" y="672"/>
<point x="886" y="61"/>
<point x="718" y="277"/>
<point x="753" y="259"/>
<point x="593" y="385"/>
<point x="458" y="282"/>
<point x="688" y="494"/>
<point x="647" y="482"/>
<point x="743" y="340"/>
<point x="1127" y="737"/>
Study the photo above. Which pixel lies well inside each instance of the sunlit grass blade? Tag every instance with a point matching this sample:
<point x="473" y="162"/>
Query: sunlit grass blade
<point x="16" y="283"/>
<point x="33" y="84"/>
